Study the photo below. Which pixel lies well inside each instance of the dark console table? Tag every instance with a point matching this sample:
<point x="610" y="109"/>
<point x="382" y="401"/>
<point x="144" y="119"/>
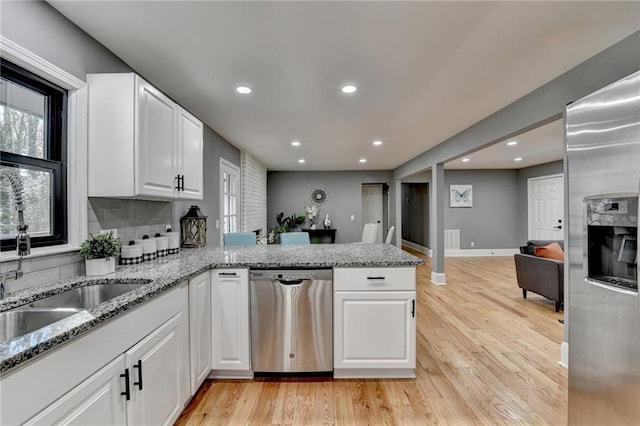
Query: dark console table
<point x="321" y="235"/>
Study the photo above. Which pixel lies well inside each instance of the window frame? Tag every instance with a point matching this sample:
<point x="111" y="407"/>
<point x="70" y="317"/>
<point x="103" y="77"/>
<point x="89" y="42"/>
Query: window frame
<point x="77" y="132"/>
<point x="232" y="170"/>
<point x="55" y="158"/>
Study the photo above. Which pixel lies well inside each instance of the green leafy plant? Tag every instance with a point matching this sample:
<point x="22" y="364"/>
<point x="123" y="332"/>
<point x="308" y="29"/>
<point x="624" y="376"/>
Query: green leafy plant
<point x="100" y="246"/>
<point x="285" y="224"/>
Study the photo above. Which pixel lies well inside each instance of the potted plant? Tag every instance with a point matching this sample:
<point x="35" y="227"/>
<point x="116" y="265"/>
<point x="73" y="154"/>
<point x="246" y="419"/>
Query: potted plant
<point x="99" y="252"/>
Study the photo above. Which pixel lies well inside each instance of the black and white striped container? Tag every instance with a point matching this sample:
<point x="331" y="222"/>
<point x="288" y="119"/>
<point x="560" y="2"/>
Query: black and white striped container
<point x="148" y="248"/>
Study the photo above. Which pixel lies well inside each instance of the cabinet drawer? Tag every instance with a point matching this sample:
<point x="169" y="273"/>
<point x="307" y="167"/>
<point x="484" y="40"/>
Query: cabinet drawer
<point x="368" y="279"/>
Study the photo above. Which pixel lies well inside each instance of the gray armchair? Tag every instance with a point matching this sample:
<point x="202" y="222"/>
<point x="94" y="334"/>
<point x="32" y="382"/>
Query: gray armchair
<point x="540" y="275"/>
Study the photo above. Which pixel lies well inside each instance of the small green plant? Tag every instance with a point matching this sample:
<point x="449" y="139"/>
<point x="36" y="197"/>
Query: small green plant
<point x="285" y="224"/>
<point x="100" y="246"/>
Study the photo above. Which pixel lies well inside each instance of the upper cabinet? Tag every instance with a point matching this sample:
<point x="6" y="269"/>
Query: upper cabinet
<point x="141" y="143"/>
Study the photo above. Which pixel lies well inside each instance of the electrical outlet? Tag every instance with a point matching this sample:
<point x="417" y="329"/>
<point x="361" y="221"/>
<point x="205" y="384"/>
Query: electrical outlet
<point x="167" y="228"/>
<point x="113" y="231"/>
<point x="217" y="223"/>
<point x="353" y="217"/>
<point x="473" y="244"/>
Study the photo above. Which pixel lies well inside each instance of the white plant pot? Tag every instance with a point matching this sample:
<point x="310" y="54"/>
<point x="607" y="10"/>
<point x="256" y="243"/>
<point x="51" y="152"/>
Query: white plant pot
<point x="95" y="267"/>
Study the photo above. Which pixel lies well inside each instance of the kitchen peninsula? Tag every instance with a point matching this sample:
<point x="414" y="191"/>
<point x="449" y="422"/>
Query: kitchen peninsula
<point x="175" y="306"/>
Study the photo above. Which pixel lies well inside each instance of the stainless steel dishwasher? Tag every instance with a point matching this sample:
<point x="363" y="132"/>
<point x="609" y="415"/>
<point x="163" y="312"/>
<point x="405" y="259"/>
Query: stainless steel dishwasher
<point x="292" y="321"/>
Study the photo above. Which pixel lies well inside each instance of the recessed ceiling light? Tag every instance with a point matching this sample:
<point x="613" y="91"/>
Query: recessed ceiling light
<point x="465" y="160"/>
<point x="349" y="88"/>
<point x="512" y="143"/>
<point x="377" y="143"/>
<point x="302" y="160"/>
<point x="295" y="143"/>
<point x="517" y="159"/>
<point x="363" y="160"/>
<point x="243" y="90"/>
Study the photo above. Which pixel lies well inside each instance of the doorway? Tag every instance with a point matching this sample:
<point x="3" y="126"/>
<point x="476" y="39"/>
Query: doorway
<point x="375" y="207"/>
<point x="546" y="207"/>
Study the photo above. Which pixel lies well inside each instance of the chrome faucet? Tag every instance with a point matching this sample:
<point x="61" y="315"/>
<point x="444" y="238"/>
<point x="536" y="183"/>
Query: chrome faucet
<point x="23" y="241"/>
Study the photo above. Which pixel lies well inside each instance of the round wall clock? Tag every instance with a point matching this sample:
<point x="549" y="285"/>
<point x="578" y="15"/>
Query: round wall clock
<point x="319" y="196"/>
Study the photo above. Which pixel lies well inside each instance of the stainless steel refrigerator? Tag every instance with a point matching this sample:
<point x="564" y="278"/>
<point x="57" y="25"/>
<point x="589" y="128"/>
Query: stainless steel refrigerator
<point x="603" y="179"/>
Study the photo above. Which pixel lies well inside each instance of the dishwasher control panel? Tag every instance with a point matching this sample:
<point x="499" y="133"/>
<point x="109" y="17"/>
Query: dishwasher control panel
<point x="292" y="275"/>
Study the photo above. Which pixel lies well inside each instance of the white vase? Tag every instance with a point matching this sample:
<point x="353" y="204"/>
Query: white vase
<point x="104" y="266"/>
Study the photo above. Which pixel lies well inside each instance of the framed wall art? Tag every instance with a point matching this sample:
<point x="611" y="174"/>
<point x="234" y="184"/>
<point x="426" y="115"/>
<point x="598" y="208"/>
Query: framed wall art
<point x="460" y="195"/>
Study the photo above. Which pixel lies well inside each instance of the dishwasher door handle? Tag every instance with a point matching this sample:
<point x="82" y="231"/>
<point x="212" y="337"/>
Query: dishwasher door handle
<point x="291" y="282"/>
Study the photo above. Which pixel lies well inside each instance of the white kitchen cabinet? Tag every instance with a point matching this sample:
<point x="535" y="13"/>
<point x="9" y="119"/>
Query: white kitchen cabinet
<point x="190" y="150"/>
<point x="200" y="328"/>
<point x="374" y="322"/>
<point x="155" y="376"/>
<point x="141" y="143"/>
<point x="231" y="343"/>
<point x="96" y="399"/>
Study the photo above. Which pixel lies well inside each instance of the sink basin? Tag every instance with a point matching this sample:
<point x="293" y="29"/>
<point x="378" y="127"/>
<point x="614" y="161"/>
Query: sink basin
<point x="84" y="297"/>
<point x="18" y="322"/>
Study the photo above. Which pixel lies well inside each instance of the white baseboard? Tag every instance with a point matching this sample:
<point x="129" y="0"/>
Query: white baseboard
<point x="438" y="278"/>
<point x="564" y="355"/>
<point x="417" y="247"/>
<point x="374" y="373"/>
<point x="481" y="252"/>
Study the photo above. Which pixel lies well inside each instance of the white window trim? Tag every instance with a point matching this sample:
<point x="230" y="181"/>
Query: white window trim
<point x="76" y="144"/>
<point x="226" y="165"/>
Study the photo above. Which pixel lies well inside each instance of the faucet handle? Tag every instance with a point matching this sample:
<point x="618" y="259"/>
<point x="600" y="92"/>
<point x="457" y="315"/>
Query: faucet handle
<point x="23" y="243"/>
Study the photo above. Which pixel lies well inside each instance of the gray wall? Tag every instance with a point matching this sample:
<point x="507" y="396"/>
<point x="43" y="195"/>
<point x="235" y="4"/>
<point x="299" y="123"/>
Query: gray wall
<point x="289" y="192"/>
<point x="547" y="169"/>
<point x="415" y="213"/>
<point x="492" y="222"/>
<point x="39" y="28"/>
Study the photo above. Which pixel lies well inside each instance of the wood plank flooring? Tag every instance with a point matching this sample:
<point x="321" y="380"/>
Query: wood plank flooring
<point x="485" y="356"/>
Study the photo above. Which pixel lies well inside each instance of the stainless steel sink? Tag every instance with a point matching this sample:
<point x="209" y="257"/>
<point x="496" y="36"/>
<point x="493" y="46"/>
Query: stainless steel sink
<point x="27" y="318"/>
<point x="84" y="297"/>
<point x="18" y="322"/>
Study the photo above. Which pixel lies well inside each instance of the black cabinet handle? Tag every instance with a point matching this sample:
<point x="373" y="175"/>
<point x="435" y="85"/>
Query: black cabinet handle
<point x="127" y="388"/>
<point x="139" y="367"/>
<point x="178" y="179"/>
<point x="182" y="184"/>
<point x="375" y="278"/>
<point x="557" y="227"/>
<point x="413" y="308"/>
<point x="227" y="274"/>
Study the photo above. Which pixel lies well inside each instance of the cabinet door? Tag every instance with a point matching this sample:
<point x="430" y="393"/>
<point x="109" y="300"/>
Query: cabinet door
<point x="155" y="376"/>
<point x="190" y="141"/>
<point x="155" y="153"/>
<point x="200" y="329"/>
<point x="374" y="329"/>
<point x="97" y="400"/>
<point x="230" y="319"/>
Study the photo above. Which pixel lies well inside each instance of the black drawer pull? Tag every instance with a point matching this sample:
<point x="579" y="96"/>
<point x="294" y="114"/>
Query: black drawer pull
<point x="413" y="308"/>
<point x="126" y="392"/>
<point x="376" y="278"/>
<point x="227" y="274"/>
<point x="139" y="367"/>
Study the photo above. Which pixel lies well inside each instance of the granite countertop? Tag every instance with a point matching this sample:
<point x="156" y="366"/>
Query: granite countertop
<point x="164" y="273"/>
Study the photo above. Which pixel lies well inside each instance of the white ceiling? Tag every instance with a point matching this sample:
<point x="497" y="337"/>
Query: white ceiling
<point x="426" y="70"/>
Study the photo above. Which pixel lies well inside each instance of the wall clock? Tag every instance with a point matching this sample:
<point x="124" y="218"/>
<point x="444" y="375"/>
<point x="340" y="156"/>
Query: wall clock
<point x="319" y="196"/>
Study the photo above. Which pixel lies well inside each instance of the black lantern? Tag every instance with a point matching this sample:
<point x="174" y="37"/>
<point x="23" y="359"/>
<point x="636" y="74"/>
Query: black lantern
<point x="194" y="228"/>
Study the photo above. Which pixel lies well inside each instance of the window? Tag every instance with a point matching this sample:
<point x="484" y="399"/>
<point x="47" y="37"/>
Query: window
<point x="229" y="192"/>
<point x="33" y="145"/>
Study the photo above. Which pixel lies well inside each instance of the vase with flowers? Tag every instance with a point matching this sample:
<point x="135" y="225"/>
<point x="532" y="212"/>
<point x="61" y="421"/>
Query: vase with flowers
<point x="312" y="213"/>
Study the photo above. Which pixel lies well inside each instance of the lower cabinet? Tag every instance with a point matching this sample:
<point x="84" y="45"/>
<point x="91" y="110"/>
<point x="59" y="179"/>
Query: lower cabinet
<point x="141" y="386"/>
<point x="200" y="328"/>
<point x="374" y="324"/>
<point x="97" y="399"/>
<point x="231" y="343"/>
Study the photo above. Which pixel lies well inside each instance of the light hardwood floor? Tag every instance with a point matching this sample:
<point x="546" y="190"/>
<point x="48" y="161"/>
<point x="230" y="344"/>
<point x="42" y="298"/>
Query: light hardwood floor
<point x="485" y="356"/>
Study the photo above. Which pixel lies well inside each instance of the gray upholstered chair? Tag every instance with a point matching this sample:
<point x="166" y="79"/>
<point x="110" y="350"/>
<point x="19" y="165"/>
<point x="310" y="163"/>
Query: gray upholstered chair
<point x="540" y="275"/>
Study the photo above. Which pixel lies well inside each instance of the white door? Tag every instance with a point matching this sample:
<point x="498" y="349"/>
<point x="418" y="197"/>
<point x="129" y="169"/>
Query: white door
<point x="155" y="376"/>
<point x="229" y="198"/>
<point x="200" y="330"/>
<point x="231" y="342"/>
<point x="190" y="145"/>
<point x="546" y="207"/>
<point x="372" y="207"/>
<point x="155" y="153"/>
<point x="374" y="329"/>
<point x="97" y="400"/>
